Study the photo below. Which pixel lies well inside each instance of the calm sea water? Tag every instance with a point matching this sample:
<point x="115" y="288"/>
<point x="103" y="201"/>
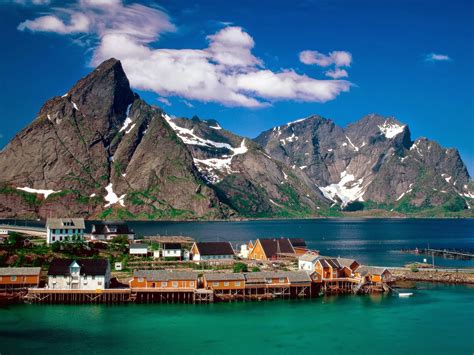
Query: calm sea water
<point x="436" y="320"/>
<point x="373" y="241"/>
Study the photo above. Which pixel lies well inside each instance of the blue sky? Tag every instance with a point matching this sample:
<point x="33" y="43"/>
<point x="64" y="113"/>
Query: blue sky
<point x="242" y="64"/>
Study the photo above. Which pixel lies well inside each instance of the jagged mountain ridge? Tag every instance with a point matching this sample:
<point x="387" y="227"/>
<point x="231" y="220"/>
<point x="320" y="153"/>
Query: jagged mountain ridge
<point x="373" y="161"/>
<point x="100" y="151"/>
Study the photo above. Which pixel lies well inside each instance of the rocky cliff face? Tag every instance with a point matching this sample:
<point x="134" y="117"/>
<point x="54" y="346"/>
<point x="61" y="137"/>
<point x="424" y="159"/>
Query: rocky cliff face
<point x="99" y="151"/>
<point x="372" y="162"/>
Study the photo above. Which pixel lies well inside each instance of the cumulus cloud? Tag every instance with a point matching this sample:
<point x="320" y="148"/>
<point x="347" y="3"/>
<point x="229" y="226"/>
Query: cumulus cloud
<point x="225" y="71"/>
<point x="337" y="58"/>
<point x="337" y="73"/>
<point x="433" y="57"/>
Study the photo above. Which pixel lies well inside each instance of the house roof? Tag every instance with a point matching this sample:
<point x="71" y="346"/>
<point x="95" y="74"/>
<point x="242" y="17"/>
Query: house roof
<point x="309" y="257"/>
<point x="292" y="276"/>
<point x="272" y="247"/>
<point x="165" y="275"/>
<point x="171" y="246"/>
<point x="101" y="228"/>
<point x="298" y="242"/>
<point x="347" y="262"/>
<point x="88" y="266"/>
<point x="221" y="276"/>
<point x="138" y="246"/>
<point x="20" y="271"/>
<point x="61" y="223"/>
<point x="214" y="248"/>
<point x="371" y="270"/>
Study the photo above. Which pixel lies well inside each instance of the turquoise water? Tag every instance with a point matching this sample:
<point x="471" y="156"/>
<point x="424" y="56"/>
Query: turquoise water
<point x="438" y="319"/>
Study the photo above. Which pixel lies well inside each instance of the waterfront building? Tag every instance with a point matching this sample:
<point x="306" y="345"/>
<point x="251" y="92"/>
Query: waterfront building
<point x="64" y="230"/>
<point x="212" y="251"/>
<point x="224" y="282"/>
<point x="271" y="249"/>
<point x="164" y="279"/>
<point x="108" y="231"/>
<point x="19" y="277"/>
<point x="299" y="245"/>
<point x="244" y="251"/>
<point x="375" y="275"/>
<point x="79" y="274"/>
<point x="138" y="249"/>
<point x="307" y="262"/>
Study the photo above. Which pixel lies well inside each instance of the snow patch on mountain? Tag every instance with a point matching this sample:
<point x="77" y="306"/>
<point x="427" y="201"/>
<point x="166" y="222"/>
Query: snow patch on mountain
<point x="45" y="193"/>
<point x="112" y="197"/>
<point x="391" y="130"/>
<point x="346" y="190"/>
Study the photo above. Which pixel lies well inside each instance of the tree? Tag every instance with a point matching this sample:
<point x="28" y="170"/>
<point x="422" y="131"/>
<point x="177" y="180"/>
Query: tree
<point x="240" y="267"/>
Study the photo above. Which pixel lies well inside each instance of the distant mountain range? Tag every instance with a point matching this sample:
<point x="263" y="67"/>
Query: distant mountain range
<point x="100" y="151"/>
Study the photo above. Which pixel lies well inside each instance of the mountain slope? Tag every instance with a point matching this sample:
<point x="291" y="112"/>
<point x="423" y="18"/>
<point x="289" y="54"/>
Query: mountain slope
<point x="372" y="161"/>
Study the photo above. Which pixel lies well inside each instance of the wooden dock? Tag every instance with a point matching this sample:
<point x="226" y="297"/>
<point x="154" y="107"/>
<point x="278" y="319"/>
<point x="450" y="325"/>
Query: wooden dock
<point x="444" y="253"/>
<point x="108" y="296"/>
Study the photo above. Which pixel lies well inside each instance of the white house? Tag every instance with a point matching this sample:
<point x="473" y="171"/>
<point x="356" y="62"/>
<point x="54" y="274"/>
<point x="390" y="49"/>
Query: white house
<point x="64" y="230"/>
<point x="172" y="250"/>
<point x="307" y="262"/>
<point x="79" y="274"/>
<point x="244" y="251"/>
<point x="108" y="231"/>
<point x="212" y="251"/>
<point x="138" y="249"/>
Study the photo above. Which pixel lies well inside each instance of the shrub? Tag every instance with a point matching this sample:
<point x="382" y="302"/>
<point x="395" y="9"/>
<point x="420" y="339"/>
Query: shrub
<point x="240" y="267"/>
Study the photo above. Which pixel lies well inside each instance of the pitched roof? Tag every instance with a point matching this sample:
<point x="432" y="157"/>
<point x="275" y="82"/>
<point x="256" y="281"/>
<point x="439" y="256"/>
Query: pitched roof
<point x="371" y="270"/>
<point x="330" y="262"/>
<point x="101" y="228"/>
<point x="138" y="246"/>
<point x="214" y="248"/>
<point x="20" y="271"/>
<point x="347" y="262"/>
<point x="298" y="242"/>
<point x="222" y="276"/>
<point x="165" y="275"/>
<point x="309" y="257"/>
<point x="292" y="276"/>
<point x="273" y="247"/>
<point x="88" y="266"/>
<point x="65" y="223"/>
<point x="171" y="246"/>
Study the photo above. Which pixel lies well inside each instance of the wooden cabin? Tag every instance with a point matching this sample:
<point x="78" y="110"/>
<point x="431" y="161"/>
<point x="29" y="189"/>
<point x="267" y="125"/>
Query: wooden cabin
<point x="271" y="249"/>
<point x="19" y="277"/>
<point x="374" y="275"/>
<point x="163" y="279"/>
<point x="212" y="251"/>
<point x="224" y="282"/>
<point x="299" y="245"/>
<point x="278" y="283"/>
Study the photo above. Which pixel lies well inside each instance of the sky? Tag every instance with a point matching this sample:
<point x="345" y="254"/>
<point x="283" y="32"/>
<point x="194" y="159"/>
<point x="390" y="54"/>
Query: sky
<point x="253" y="65"/>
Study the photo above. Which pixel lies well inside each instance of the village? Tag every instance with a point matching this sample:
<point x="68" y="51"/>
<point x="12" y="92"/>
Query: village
<point x="177" y="269"/>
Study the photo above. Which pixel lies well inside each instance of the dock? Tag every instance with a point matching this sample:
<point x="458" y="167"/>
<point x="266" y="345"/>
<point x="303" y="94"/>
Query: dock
<point x="444" y="253"/>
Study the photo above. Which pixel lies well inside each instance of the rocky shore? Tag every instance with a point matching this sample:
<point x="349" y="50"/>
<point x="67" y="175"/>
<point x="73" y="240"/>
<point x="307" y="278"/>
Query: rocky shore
<point x="435" y="276"/>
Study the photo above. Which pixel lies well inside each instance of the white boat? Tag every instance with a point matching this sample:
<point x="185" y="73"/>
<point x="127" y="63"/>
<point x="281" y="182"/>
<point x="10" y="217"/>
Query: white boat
<point x="405" y="294"/>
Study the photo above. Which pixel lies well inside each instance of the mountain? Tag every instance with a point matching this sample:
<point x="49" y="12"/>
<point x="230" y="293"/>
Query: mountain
<point x="101" y="152"/>
<point x="373" y="163"/>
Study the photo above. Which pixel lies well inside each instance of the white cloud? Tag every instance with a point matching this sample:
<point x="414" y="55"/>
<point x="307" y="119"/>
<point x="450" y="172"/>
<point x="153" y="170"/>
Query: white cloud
<point x="337" y="58"/>
<point x="226" y="71"/>
<point x="32" y="2"/>
<point x="164" y="100"/>
<point x="337" y="73"/>
<point x="433" y="57"/>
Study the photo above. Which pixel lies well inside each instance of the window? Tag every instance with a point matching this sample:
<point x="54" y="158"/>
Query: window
<point x="13" y="278"/>
<point x="99" y="283"/>
<point x="175" y="283"/>
<point x="140" y="279"/>
<point x="226" y="283"/>
<point x="191" y="284"/>
<point x="54" y="239"/>
<point x="164" y="284"/>
<point x="281" y="280"/>
<point x="237" y="283"/>
<point x="215" y="284"/>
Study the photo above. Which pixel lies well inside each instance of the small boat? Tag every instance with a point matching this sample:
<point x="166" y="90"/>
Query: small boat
<point x="405" y="294"/>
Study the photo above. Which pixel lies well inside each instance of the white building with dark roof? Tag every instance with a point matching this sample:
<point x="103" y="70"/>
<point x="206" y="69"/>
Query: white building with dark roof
<point x="64" y="230"/>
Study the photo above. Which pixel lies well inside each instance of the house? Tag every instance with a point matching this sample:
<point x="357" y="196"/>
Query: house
<point x="222" y="282"/>
<point x="79" y="274"/>
<point x="373" y="274"/>
<point x="172" y="250"/>
<point x="299" y="245"/>
<point x="307" y="262"/>
<point x="19" y="277"/>
<point x="138" y="249"/>
<point x="4" y="232"/>
<point x="108" y="231"/>
<point x="277" y="278"/>
<point x="64" y="230"/>
<point x="328" y="269"/>
<point x="163" y="279"/>
<point x="244" y="251"/>
<point x="271" y="249"/>
<point x="350" y="263"/>
<point x="212" y="251"/>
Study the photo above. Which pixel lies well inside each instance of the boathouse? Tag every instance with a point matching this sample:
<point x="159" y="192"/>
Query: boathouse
<point x="109" y="230"/>
<point x="271" y="249"/>
<point x="374" y="275"/>
<point x="271" y="284"/>
<point x="64" y="230"/>
<point x="79" y="274"/>
<point x="212" y="251"/>
<point x="225" y="285"/>
<point x="12" y="278"/>
<point x="335" y="276"/>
